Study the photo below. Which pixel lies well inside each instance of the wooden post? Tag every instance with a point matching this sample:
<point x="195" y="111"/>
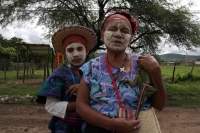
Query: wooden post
<point x="48" y="61"/>
<point x="44" y="78"/>
<point x="174" y="71"/>
<point x="27" y="60"/>
<point x="4" y="62"/>
<point x="32" y="65"/>
<point x="17" y="60"/>
<point x="24" y="71"/>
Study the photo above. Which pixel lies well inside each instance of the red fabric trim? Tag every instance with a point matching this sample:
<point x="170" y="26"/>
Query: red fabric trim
<point x="72" y="119"/>
<point x="115" y="85"/>
<point x="116" y="16"/>
<point x="75" y="38"/>
<point x="133" y="22"/>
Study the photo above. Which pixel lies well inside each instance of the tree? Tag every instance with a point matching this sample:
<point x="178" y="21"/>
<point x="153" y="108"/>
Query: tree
<point x="157" y="19"/>
<point x="7" y="55"/>
<point x="13" y="43"/>
<point x="4" y="42"/>
<point x="20" y="49"/>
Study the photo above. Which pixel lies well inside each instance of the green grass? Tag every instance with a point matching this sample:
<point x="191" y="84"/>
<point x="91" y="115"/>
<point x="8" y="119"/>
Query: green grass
<point x="181" y="94"/>
<point x="13" y="86"/>
<point x="19" y="90"/>
<point x="185" y="94"/>
<point x="12" y="75"/>
<point x="167" y="71"/>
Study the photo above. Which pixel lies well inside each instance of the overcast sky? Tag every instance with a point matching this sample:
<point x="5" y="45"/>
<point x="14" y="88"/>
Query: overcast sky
<point x="30" y="33"/>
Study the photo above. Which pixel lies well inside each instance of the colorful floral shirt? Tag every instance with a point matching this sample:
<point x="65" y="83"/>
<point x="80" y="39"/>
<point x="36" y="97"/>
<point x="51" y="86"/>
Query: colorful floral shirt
<point x="102" y="94"/>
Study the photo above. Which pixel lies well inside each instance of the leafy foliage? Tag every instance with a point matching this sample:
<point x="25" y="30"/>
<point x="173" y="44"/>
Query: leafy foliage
<point x="7" y="53"/>
<point x="9" y="49"/>
<point x="187" y="77"/>
<point x="158" y="19"/>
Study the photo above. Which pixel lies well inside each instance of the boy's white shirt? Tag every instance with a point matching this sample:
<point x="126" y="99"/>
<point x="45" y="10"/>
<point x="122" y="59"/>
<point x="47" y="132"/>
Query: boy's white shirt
<point x="56" y="107"/>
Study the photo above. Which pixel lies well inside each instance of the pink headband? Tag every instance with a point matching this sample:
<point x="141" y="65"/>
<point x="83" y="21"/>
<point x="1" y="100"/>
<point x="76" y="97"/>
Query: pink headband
<point x="75" y="38"/>
<point x="132" y="21"/>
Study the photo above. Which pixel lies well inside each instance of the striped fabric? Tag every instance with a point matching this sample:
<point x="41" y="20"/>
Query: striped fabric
<point x="72" y="119"/>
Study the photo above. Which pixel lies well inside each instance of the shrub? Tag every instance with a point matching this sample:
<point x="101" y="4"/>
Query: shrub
<point x="187" y="77"/>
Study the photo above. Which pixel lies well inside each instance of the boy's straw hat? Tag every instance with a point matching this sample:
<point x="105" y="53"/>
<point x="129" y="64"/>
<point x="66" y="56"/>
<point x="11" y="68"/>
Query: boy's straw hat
<point x="60" y="35"/>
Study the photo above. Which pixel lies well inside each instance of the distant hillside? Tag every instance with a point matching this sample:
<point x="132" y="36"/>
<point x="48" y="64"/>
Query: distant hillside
<point x="169" y="57"/>
<point x="178" y="57"/>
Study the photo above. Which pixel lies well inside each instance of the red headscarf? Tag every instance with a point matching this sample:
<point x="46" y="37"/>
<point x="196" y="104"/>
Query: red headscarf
<point x="132" y="21"/>
<point x="75" y="38"/>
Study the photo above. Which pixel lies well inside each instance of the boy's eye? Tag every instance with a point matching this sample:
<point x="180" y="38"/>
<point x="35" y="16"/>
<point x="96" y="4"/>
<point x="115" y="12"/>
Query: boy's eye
<point x="70" y="50"/>
<point x="80" y="48"/>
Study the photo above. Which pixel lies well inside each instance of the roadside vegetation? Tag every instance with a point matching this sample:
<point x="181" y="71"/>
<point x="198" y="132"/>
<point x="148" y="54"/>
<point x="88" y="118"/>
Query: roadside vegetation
<point x="184" y="91"/>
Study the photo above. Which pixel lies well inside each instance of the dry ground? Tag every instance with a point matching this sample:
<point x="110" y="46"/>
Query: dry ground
<point x="18" y="118"/>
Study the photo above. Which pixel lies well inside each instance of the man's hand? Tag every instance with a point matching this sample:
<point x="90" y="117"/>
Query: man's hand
<point x="148" y="62"/>
<point x="73" y="90"/>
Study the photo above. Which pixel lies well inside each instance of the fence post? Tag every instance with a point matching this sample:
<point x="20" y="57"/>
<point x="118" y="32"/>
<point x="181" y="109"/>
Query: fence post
<point x="4" y="62"/>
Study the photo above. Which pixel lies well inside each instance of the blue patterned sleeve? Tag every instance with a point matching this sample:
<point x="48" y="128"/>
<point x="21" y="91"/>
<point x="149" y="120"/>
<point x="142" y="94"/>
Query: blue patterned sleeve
<point x="87" y="72"/>
<point x="55" y="86"/>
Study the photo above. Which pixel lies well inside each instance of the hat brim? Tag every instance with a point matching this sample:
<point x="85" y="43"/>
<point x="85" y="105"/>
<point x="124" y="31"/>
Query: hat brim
<point x="60" y="35"/>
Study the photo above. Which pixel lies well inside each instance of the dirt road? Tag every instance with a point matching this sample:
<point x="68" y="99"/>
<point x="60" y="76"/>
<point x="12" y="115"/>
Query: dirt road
<point x="18" y="118"/>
